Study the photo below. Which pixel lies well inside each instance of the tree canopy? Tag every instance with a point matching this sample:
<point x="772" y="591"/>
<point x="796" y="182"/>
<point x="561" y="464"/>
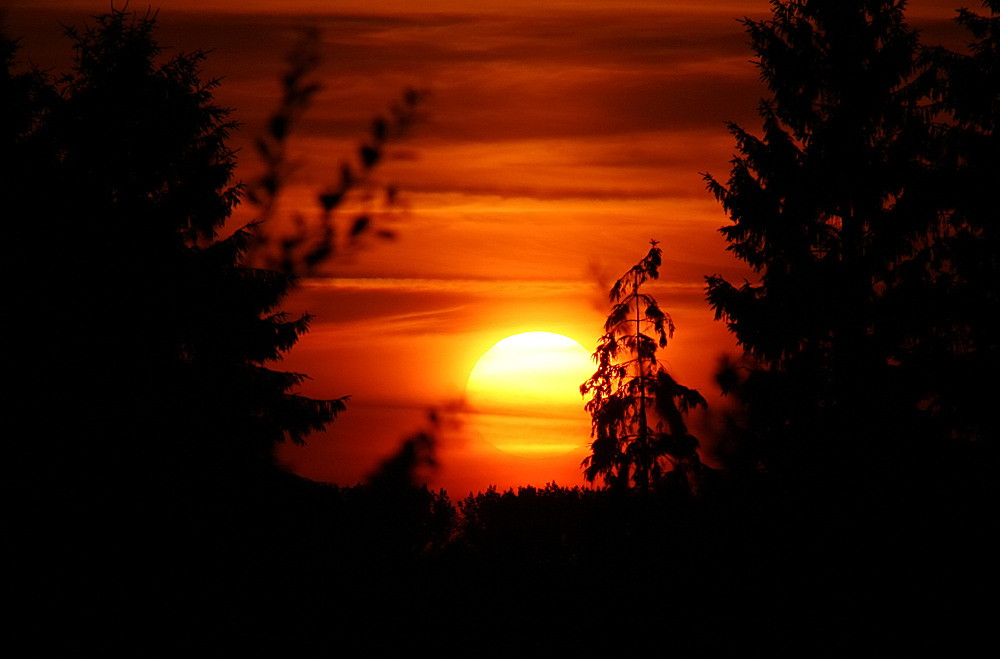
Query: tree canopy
<point x="841" y="206"/>
<point x="830" y="205"/>
<point x="157" y="340"/>
<point x="636" y="407"/>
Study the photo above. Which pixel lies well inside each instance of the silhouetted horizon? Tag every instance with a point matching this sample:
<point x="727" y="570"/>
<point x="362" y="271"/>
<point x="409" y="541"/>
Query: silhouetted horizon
<point x="824" y="481"/>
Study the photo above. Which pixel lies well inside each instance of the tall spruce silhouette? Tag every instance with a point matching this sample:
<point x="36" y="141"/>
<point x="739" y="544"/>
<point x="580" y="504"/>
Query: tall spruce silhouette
<point x="160" y="339"/>
<point x="150" y="400"/>
<point x="637" y="408"/>
<point x="825" y="206"/>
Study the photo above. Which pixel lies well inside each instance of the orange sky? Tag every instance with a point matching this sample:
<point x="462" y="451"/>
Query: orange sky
<point x="559" y="138"/>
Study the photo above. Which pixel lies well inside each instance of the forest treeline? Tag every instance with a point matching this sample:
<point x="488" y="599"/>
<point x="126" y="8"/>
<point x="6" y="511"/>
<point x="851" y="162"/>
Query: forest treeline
<point x="855" y="509"/>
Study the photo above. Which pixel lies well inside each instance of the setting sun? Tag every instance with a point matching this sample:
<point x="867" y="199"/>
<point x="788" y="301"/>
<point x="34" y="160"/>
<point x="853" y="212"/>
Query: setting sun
<point x="536" y="375"/>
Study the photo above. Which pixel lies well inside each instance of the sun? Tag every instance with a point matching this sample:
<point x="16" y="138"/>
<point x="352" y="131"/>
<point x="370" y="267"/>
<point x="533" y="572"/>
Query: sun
<point x="525" y="392"/>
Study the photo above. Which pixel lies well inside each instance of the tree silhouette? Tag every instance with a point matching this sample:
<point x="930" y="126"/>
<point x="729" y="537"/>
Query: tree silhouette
<point x="637" y="408"/>
<point x="149" y="403"/>
<point x="825" y="206"/>
<point x="157" y="332"/>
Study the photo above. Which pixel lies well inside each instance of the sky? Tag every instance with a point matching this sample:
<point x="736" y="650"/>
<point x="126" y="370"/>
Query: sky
<point x="556" y="140"/>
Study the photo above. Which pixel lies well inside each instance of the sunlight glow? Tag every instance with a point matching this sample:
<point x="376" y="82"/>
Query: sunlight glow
<point x="525" y="392"/>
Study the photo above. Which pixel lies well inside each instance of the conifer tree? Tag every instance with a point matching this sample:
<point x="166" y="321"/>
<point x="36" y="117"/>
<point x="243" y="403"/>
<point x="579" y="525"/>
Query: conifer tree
<point x="824" y="206"/>
<point x="637" y="408"/>
<point x="158" y="338"/>
<point x="149" y="405"/>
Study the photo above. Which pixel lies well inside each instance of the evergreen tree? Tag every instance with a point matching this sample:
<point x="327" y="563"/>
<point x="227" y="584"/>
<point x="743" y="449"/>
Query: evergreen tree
<point x="825" y="204"/>
<point x="157" y="337"/>
<point x="637" y="408"/>
<point x="147" y="347"/>
<point x="148" y="406"/>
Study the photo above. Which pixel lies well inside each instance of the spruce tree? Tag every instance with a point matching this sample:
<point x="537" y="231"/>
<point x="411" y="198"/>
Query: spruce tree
<point x="824" y="204"/>
<point x="157" y="339"/>
<point x="145" y="496"/>
<point x="637" y="408"/>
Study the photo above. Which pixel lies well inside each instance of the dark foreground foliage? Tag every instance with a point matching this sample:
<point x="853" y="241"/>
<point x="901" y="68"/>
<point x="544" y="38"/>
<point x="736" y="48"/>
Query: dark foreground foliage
<point x="289" y="566"/>
<point x="120" y="542"/>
